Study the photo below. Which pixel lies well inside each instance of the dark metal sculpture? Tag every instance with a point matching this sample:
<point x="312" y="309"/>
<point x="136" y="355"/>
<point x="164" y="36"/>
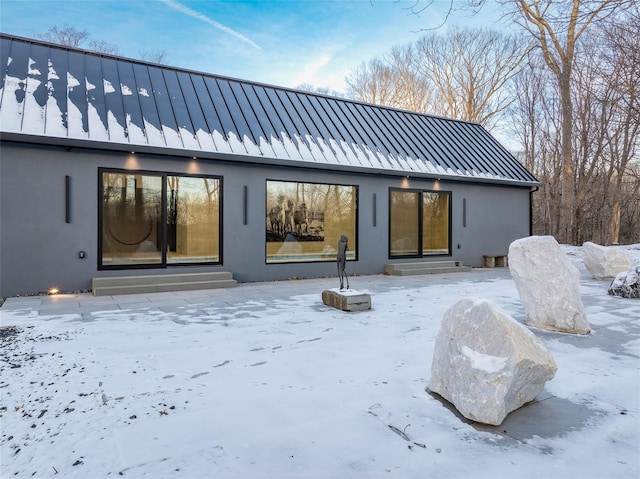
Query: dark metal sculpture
<point x="342" y="260"/>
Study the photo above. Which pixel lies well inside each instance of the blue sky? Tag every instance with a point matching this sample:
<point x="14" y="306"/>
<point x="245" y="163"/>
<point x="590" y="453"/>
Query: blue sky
<point x="286" y="42"/>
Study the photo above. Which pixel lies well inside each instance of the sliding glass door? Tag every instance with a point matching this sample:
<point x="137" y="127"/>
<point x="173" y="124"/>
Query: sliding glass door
<point x="419" y="223"/>
<point x="153" y="219"/>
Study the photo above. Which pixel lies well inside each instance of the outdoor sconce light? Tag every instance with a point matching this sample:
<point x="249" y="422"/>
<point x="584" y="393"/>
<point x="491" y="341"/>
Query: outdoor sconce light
<point x="245" y="204"/>
<point x="375" y="212"/>
<point x="82" y="254"/>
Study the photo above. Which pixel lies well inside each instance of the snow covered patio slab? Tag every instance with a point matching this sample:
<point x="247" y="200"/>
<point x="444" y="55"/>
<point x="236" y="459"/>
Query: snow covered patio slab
<point x="265" y="381"/>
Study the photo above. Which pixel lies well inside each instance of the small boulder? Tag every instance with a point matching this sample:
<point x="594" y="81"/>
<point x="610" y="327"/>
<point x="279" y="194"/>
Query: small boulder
<point x="486" y="363"/>
<point x="604" y="262"/>
<point x="548" y="285"/>
<point x="626" y="284"/>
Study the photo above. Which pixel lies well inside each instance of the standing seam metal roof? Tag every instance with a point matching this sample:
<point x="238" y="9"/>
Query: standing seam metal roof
<point x="50" y="93"/>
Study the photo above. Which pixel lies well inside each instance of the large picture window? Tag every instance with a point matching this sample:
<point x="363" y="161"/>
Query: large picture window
<point x="154" y="219"/>
<point x="304" y="221"/>
<point x="419" y="223"/>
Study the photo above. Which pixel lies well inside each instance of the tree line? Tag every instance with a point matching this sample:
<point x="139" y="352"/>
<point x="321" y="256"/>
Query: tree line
<point x="565" y="84"/>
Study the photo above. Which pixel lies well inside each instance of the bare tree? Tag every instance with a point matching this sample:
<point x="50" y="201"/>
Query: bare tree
<point x="605" y="136"/>
<point x="556" y="27"/>
<point x="64" y="35"/>
<point x="72" y="37"/>
<point x="619" y="65"/>
<point x="535" y="126"/>
<point x="101" y="46"/>
<point x="372" y="82"/>
<point x="469" y="69"/>
<point x="412" y="90"/>
<point x="460" y="74"/>
<point x="155" y="56"/>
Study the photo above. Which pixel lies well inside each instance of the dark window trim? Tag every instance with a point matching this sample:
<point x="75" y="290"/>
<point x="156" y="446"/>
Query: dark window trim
<point x="163" y="264"/>
<point x="357" y="215"/>
<point x="421" y="253"/>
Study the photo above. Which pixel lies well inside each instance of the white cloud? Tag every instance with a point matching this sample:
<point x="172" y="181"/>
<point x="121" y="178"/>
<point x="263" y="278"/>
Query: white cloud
<point x="310" y="70"/>
<point x="192" y="13"/>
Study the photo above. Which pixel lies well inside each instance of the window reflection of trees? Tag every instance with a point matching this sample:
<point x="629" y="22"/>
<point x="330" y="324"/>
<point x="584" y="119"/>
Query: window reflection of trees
<point x="304" y="220"/>
<point x="192" y="218"/>
<point x="131" y="209"/>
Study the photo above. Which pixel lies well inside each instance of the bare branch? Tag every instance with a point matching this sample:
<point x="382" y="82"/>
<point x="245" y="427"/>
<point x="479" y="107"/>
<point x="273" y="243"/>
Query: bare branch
<point x="155" y="56"/>
<point x="65" y="35"/>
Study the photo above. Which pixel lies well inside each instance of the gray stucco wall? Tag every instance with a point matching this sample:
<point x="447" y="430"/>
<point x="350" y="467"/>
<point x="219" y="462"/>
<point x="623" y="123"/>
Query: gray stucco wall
<point x="38" y="249"/>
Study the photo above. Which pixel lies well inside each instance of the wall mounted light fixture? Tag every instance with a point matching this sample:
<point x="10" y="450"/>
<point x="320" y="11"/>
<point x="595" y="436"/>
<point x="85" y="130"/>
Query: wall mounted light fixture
<point x="245" y="200"/>
<point x="67" y="199"/>
<point x="375" y="213"/>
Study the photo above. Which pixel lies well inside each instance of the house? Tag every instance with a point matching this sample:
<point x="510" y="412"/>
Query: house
<point x="112" y="167"/>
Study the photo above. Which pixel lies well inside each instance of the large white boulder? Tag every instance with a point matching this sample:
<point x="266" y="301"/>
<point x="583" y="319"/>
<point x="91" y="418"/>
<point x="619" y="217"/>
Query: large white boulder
<point x="486" y="363"/>
<point x="604" y="262"/>
<point x="548" y="284"/>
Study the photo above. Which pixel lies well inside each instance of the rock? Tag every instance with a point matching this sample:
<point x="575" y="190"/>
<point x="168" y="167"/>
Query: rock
<point x="346" y="299"/>
<point x="626" y="284"/>
<point x="548" y="284"/>
<point x="486" y="363"/>
<point x="604" y="262"/>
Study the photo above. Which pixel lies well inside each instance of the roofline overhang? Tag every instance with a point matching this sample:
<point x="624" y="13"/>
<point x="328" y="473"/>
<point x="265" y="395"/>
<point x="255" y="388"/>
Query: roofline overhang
<point x="247" y="159"/>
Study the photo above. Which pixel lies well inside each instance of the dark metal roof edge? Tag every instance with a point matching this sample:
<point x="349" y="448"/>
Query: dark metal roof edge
<point x="223" y="77"/>
<point x="243" y="158"/>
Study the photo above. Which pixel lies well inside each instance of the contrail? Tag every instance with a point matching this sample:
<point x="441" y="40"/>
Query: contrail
<point x="192" y="13"/>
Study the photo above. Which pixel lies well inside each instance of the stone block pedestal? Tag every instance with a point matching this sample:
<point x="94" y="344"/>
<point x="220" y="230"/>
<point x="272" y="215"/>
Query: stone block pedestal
<point x="346" y="299"/>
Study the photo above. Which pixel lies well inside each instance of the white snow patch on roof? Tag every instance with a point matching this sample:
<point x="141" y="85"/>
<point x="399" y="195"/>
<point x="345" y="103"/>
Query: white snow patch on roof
<point x="33" y="71"/>
<point x="72" y="81"/>
<point x="52" y="72"/>
<point x="108" y="87"/>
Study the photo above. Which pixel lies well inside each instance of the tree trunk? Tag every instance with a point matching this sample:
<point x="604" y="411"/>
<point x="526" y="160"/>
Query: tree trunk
<point x="615" y="224"/>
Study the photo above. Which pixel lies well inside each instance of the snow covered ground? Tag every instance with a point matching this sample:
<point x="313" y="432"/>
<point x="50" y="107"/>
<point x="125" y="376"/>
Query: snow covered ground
<point x="264" y="381"/>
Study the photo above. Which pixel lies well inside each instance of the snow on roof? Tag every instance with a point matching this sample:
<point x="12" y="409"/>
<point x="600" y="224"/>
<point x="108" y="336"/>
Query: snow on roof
<point x="61" y="95"/>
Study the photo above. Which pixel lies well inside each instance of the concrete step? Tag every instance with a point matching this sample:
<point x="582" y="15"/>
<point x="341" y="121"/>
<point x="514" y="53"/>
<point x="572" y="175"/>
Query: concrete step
<point x="157" y="283"/>
<point x="425" y="267"/>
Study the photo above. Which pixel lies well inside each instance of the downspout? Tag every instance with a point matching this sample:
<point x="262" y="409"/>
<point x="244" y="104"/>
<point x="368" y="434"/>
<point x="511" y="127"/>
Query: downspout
<point x="533" y="190"/>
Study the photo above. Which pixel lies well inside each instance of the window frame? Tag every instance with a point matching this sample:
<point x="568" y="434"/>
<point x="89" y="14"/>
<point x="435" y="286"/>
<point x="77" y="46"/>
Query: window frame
<point x="163" y="264"/>
<point x="420" y="222"/>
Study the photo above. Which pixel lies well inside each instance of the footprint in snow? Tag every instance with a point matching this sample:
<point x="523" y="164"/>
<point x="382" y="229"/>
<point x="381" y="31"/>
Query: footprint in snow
<point x="223" y="363"/>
